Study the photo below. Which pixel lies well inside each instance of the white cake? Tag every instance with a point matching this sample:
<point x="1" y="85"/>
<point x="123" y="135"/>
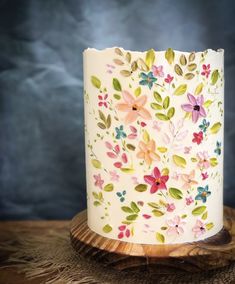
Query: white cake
<point x="154" y="138"/>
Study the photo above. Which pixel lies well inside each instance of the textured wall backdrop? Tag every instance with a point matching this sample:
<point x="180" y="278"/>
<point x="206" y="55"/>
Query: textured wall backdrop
<point x="42" y="172"/>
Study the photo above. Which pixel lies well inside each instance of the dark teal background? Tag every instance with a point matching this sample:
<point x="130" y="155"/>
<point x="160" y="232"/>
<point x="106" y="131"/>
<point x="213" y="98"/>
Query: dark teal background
<point x="42" y="173"/>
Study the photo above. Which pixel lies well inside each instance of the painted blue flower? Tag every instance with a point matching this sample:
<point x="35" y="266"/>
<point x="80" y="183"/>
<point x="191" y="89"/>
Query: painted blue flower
<point x="120" y="133"/>
<point x="121" y="195"/>
<point x="205" y="124"/>
<point x="147" y="79"/>
<point x="203" y="193"/>
<point x="218" y="148"/>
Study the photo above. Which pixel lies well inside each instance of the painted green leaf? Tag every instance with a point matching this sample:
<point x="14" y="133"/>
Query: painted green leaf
<point x="96" y="203"/>
<point x="179" y="161"/>
<point x="117" y="97"/>
<point x="163" y="228"/>
<point x="150" y="57"/>
<point x="101" y="125"/>
<point x="184" y="216"/>
<point x="96" y="196"/>
<point x="134" y="207"/>
<point x="107" y="228"/>
<point x="213" y="162"/>
<point x="191" y="56"/>
<point x="209" y="226"/>
<point x="128" y="57"/>
<point x="215" y="128"/>
<point x="171" y="112"/>
<point x="108" y="187"/>
<point x="199" y="210"/>
<point x="199" y="89"/>
<point x="127" y="170"/>
<point x="127" y="209"/>
<point x="175" y="193"/>
<point x="207" y="103"/>
<point x="160" y="238"/>
<point x="146" y="137"/>
<point x="165" y="171"/>
<point x="157" y="213"/>
<point x="116" y="84"/>
<point x="137" y="91"/>
<point x="204" y="216"/>
<point x="102" y="116"/>
<point x="162" y="116"/>
<point x="141" y="187"/>
<point x="166" y="102"/>
<point x="183" y="60"/>
<point x="154" y="205"/>
<point x="214" y="76"/>
<point x="96" y="164"/>
<point x="162" y="149"/>
<point x="142" y="65"/>
<point x="156" y="106"/>
<point x="95" y="82"/>
<point x="191" y="67"/>
<point x="170" y="55"/>
<point x="125" y="73"/>
<point x="132" y="217"/>
<point x="108" y="121"/>
<point x="178" y="70"/>
<point x="130" y="147"/>
<point x="157" y="97"/>
<point x="189" y="76"/>
<point x="180" y="90"/>
<point x="194" y="160"/>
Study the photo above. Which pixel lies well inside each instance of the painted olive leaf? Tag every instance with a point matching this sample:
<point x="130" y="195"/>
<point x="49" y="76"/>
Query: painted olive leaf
<point x="127" y="209"/>
<point x="162" y="149"/>
<point x="215" y="128"/>
<point x="199" y="89"/>
<point x="142" y="65"/>
<point x="171" y="112"/>
<point x="134" y="207"/>
<point x="165" y="171"/>
<point x="150" y="58"/>
<point x="96" y="164"/>
<point x="178" y="70"/>
<point x="127" y="170"/>
<point x="209" y="226"/>
<point x="108" y="121"/>
<point x="132" y="217"/>
<point x="118" y="51"/>
<point x="156" y="106"/>
<point x="128" y="57"/>
<point x="130" y="147"/>
<point x="137" y="91"/>
<point x="170" y="55"/>
<point x="96" y="203"/>
<point x="213" y="162"/>
<point x="191" y="56"/>
<point x="146" y="137"/>
<point x="102" y="116"/>
<point x="175" y="193"/>
<point x="189" y="76"/>
<point x="166" y="102"/>
<point x="160" y="238"/>
<point x="199" y="210"/>
<point x="141" y="187"/>
<point x="183" y="60"/>
<point x="207" y="103"/>
<point x="95" y="82"/>
<point x="108" y="187"/>
<point x="180" y="90"/>
<point x="125" y="73"/>
<point x="204" y="215"/>
<point x="117" y="85"/>
<point x="154" y="205"/>
<point x="162" y="116"/>
<point x="157" y="97"/>
<point x="107" y="228"/>
<point x="214" y="77"/>
<point x="179" y="161"/>
<point x="191" y="67"/>
<point x="118" y="61"/>
<point x="101" y="125"/>
<point x="117" y="97"/>
<point x="157" y="213"/>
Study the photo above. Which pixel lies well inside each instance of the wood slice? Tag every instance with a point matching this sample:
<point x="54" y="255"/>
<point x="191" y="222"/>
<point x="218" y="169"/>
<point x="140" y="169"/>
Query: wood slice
<point x="214" y="252"/>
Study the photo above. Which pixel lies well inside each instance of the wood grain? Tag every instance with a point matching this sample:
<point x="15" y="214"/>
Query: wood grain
<point x="214" y="252"/>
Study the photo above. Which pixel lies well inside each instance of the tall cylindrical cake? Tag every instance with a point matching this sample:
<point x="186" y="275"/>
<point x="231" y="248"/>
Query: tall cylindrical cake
<point x="154" y="144"/>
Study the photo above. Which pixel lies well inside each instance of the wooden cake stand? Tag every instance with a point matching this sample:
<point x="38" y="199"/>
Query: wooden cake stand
<point x="214" y="252"/>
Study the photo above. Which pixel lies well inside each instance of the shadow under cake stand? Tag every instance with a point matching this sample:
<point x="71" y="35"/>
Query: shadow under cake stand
<point x="214" y="252"/>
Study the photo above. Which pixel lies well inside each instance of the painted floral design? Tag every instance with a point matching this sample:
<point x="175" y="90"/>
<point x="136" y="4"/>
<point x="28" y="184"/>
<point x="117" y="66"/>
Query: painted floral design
<point x="154" y="132"/>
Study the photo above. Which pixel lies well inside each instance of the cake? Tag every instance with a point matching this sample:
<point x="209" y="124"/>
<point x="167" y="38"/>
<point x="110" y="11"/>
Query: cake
<point x="154" y="144"/>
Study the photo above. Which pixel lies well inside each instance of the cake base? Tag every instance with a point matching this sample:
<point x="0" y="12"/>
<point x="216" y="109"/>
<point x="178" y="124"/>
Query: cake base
<point x="214" y="252"/>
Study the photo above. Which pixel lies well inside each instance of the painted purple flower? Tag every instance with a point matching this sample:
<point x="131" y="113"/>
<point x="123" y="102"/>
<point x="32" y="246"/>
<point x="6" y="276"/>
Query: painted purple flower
<point x="195" y="106"/>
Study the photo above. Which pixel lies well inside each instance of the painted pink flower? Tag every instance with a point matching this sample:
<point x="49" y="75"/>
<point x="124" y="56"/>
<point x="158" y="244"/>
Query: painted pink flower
<point x="189" y="181"/>
<point x="114" y="176"/>
<point x="206" y="70"/>
<point x="187" y="150"/>
<point x="175" y="226"/>
<point x="98" y="181"/>
<point x="135" y="180"/>
<point x="133" y="133"/>
<point x="195" y="106"/>
<point x="156" y="180"/>
<point x="147" y="152"/>
<point x="168" y="79"/>
<point x="158" y="71"/>
<point x="102" y="100"/>
<point x="134" y="107"/>
<point x="143" y="124"/>
<point x="157" y="125"/>
<point x="189" y="200"/>
<point x="205" y="176"/>
<point x="203" y="162"/>
<point x="123" y="232"/>
<point x="170" y="207"/>
<point x="197" y="137"/>
<point x="199" y="228"/>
